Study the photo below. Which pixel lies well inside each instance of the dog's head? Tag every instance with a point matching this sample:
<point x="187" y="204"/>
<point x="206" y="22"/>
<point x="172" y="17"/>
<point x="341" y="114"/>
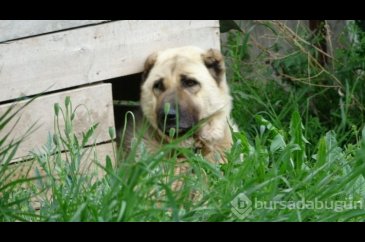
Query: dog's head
<point x="182" y="86"/>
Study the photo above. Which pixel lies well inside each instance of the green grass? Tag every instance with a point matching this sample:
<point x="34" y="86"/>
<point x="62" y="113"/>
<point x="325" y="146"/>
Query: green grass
<point x="285" y="156"/>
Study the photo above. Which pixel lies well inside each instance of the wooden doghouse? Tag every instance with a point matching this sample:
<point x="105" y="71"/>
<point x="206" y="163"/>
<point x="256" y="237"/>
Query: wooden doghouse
<point x="88" y="61"/>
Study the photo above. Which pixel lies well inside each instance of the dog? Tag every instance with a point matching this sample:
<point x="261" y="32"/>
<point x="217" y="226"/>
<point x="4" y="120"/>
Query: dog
<point x="183" y="88"/>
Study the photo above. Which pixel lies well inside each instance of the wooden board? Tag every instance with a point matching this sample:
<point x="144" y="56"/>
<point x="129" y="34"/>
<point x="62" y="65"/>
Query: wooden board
<point x="14" y="29"/>
<point x="97" y="99"/>
<point x="85" y="55"/>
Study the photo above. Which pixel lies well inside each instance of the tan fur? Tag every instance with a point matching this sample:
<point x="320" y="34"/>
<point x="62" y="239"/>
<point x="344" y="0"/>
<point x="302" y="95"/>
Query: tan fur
<point x="210" y="100"/>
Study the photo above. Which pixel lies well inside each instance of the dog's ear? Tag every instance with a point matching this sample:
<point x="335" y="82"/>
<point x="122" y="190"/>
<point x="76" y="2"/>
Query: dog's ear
<point x="213" y="60"/>
<point x="149" y="63"/>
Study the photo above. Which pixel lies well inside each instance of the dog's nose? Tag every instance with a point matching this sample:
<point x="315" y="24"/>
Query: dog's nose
<point x="171" y="116"/>
<point x="167" y="118"/>
<point x="174" y="117"/>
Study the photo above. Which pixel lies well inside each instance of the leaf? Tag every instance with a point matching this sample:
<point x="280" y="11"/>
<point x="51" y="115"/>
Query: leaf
<point x="334" y="152"/>
<point x="89" y="133"/>
<point x="227" y="25"/>
<point x="77" y="215"/>
<point x="296" y="132"/>
<point x="359" y="186"/>
<point x="246" y="147"/>
<point x="322" y="152"/>
<point x="243" y="48"/>
<point x="122" y="210"/>
<point x="4" y="115"/>
<point x="277" y="143"/>
<point x="108" y="163"/>
<point x="75" y="143"/>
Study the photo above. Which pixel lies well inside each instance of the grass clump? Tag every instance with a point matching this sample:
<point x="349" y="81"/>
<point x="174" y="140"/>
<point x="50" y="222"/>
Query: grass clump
<point x="299" y="154"/>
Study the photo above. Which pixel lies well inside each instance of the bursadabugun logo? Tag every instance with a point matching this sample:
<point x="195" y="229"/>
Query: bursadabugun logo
<point x="241" y="206"/>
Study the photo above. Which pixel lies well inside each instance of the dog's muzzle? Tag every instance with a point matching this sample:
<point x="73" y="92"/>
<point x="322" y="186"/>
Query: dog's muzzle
<point x="176" y="118"/>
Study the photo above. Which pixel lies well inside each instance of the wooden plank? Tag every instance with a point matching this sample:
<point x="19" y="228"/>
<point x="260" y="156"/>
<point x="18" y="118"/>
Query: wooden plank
<point x="86" y="55"/>
<point x="97" y="99"/>
<point x="14" y="29"/>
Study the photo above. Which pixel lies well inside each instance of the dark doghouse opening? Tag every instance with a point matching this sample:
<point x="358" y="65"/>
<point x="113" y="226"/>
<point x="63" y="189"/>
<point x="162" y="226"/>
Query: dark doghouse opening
<point x="126" y="94"/>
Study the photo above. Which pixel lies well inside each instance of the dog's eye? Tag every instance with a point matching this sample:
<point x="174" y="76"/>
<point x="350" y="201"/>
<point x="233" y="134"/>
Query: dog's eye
<point x="188" y="82"/>
<point x="158" y="85"/>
